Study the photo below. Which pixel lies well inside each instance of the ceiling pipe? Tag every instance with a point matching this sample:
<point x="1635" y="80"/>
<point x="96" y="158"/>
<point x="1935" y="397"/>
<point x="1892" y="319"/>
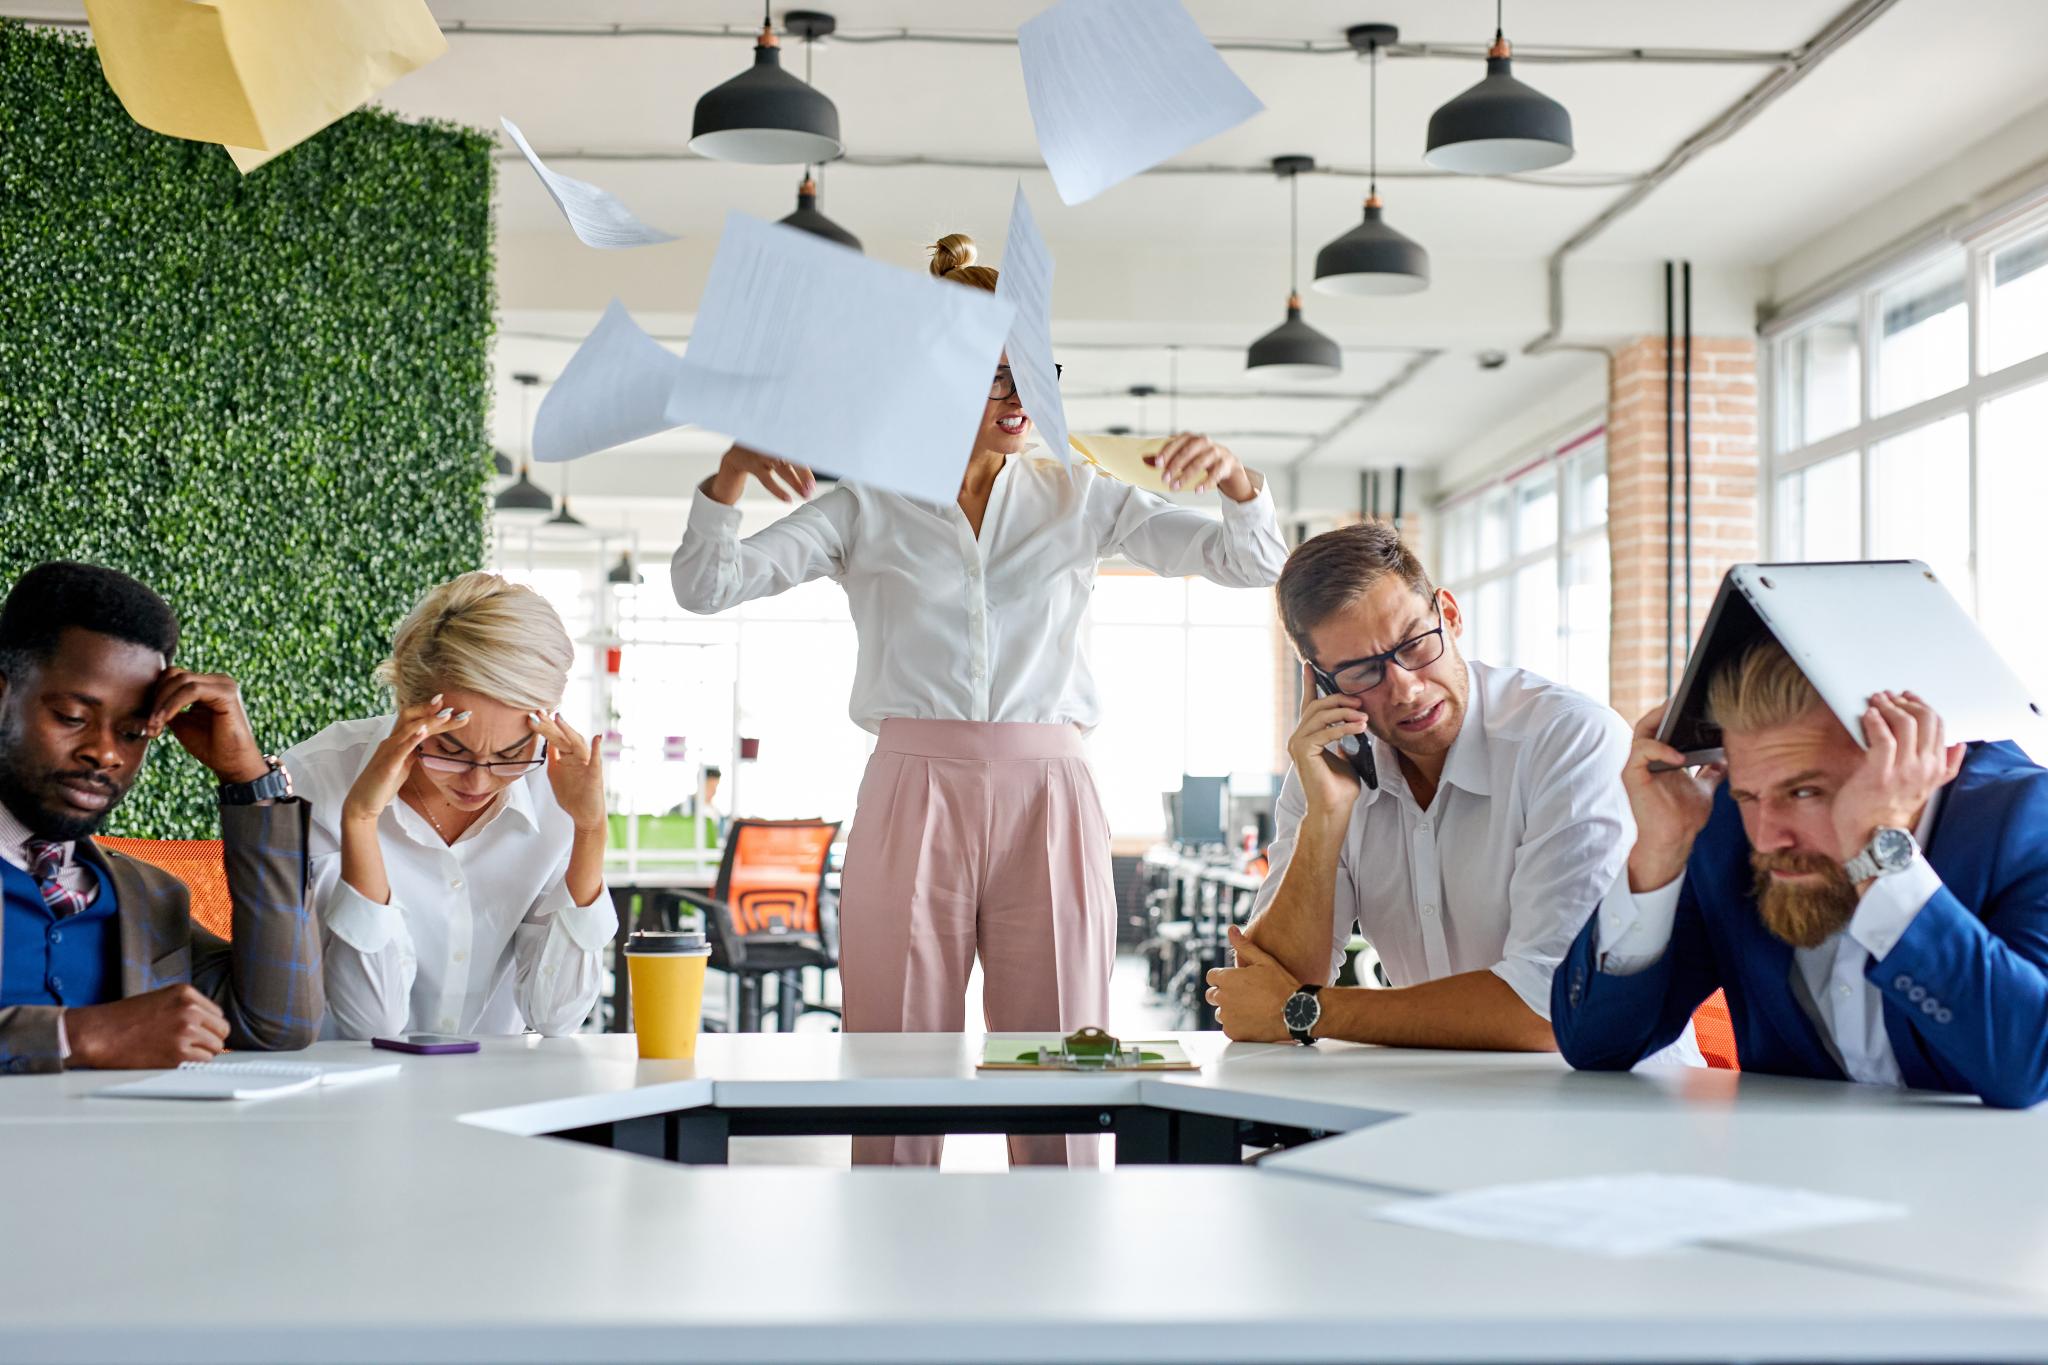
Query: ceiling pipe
<point x="1832" y="37"/>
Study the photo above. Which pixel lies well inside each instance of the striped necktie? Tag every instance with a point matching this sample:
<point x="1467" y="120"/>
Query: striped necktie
<point x="46" y="860"/>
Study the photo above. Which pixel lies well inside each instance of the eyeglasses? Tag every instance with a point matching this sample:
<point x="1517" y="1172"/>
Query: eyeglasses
<point x="1360" y="676"/>
<point x="1004" y="385"/>
<point x="517" y="767"/>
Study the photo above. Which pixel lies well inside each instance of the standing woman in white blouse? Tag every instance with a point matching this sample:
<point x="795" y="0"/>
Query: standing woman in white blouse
<point x="978" y="829"/>
<point x="458" y="848"/>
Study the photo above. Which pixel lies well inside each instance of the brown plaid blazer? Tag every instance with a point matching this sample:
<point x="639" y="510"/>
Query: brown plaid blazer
<point x="267" y="980"/>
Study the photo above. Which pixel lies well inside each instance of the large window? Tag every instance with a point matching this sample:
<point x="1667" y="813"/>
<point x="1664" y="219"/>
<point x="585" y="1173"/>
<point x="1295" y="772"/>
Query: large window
<point x="1910" y="421"/>
<point x="1185" y="671"/>
<point x="1527" y="558"/>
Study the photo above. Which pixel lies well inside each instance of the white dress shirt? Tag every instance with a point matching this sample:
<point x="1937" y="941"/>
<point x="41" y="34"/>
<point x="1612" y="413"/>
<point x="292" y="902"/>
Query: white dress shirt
<point x="72" y="875"/>
<point x="480" y="936"/>
<point x="955" y="627"/>
<point x="1525" y="833"/>
<point x="1828" y="980"/>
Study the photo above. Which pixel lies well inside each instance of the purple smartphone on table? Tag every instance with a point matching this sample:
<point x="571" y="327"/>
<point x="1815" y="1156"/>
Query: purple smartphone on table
<point x="427" y="1043"/>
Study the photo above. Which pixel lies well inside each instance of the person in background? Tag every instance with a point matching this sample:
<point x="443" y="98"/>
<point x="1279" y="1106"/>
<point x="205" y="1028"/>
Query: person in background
<point x="978" y="831"/>
<point x="101" y="963"/>
<point x="705" y="810"/>
<point x="1496" y="826"/>
<point x="1875" y="912"/>
<point x="458" y="846"/>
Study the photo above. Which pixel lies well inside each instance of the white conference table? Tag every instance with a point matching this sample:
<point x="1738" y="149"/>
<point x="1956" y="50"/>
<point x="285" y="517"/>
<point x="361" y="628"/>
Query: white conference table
<point x="425" y="1218"/>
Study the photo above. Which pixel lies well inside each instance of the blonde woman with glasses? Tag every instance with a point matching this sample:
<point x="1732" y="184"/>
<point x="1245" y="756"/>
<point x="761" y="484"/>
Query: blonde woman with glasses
<point x="458" y="847"/>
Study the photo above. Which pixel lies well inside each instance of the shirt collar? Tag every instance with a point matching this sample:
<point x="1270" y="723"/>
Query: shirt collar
<point x="14" y="837"/>
<point x="1466" y="766"/>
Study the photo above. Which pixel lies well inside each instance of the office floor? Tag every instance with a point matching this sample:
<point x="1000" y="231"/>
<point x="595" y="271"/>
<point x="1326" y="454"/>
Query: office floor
<point x="1132" y="1010"/>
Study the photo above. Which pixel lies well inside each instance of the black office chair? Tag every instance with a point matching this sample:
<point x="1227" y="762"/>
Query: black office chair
<point x="764" y="917"/>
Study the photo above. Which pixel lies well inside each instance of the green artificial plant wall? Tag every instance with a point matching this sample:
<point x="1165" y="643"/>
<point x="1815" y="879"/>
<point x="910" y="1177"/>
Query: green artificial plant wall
<point x="264" y="397"/>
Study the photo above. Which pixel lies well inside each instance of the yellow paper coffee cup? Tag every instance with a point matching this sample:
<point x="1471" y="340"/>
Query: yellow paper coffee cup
<point x="667" y="976"/>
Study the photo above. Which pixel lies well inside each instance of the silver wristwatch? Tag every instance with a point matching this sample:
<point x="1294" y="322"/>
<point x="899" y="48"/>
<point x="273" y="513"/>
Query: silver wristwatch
<point x="1890" y="850"/>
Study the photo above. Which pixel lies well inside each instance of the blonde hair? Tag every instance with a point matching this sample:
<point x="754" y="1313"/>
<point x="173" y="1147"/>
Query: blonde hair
<point x="1760" y="691"/>
<point x="482" y="634"/>
<point x="953" y="259"/>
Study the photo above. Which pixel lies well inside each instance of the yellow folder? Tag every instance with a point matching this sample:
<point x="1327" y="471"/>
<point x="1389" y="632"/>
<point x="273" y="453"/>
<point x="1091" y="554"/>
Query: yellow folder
<point x="1123" y="457"/>
<point x="257" y="76"/>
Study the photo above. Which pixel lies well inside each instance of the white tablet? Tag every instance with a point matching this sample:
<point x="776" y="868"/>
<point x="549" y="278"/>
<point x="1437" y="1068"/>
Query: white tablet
<point x="1855" y="629"/>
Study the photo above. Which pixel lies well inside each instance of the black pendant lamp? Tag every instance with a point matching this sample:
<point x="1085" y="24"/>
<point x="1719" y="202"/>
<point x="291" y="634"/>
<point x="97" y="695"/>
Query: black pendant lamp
<point x="807" y="217"/>
<point x="765" y="116"/>
<point x="1499" y="126"/>
<point x="1294" y="350"/>
<point x="501" y="465"/>
<point x="524" y="502"/>
<point x="1372" y="258"/>
<point x="623" y="574"/>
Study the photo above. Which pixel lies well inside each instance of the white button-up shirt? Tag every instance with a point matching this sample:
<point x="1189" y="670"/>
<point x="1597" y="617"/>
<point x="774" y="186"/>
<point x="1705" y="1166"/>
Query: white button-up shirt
<point x="1828" y="979"/>
<point x="480" y="936"/>
<point x="1525" y="833"/>
<point x="958" y="627"/>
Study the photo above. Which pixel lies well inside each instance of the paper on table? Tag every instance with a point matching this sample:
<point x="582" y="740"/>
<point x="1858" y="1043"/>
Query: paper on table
<point x="1123" y="457"/>
<point x="1117" y="86"/>
<point x="256" y="76"/>
<point x="1026" y="281"/>
<point x="1632" y="1215"/>
<point x="808" y="351"/>
<point x="595" y="215"/>
<point x="615" y="389"/>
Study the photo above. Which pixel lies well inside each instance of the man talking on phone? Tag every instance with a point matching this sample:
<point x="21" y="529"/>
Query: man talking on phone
<point x="101" y="964"/>
<point x="1482" y="831"/>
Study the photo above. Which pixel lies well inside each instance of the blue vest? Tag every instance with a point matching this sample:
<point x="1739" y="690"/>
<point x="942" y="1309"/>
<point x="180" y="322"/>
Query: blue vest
<point x="49" y="961"/>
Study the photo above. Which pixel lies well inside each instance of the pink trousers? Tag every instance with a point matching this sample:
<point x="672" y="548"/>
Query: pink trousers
<point x="971" y="839"/>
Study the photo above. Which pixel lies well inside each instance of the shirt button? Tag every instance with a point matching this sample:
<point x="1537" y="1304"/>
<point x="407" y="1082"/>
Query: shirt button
<point x="455" y="884"/>
<point x="56" y="936"/>
<point x="56" y="983"/>
<point x="1429" y="909"/>
<point x="1842" y="991"/>
<point x="460" y="955"/>
<point x="447" y="1024"/>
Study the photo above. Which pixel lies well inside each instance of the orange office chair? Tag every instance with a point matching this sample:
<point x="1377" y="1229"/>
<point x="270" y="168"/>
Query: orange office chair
<point x="197" y="863"/>
<point x="1714" y="1030"/>
<point x="763" y="915"/>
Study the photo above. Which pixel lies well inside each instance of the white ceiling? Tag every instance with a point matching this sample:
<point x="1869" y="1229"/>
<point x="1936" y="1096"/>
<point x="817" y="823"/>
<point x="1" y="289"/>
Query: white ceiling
<point x="1198" y="260"/>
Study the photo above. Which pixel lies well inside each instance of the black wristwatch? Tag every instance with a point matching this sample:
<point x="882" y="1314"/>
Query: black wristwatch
<point x="275" y="785"/>
<point x="1300" y="1014"/>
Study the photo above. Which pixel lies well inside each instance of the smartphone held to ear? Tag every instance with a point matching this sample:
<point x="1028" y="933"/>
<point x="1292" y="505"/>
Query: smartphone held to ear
<point x="1356" y="749"/>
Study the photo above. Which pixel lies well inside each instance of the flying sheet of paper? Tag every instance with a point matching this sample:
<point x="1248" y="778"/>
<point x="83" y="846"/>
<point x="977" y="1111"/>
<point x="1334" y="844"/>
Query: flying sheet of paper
<point x="1026" y="281"/>
<point x="814" y="353"/>
<point x="1632" y="1215"/>
<point x="1123" y="457"/>
<point x="1118" y="86"/>
<point x="595" y="215"/>
<point x="256" y="76"/>
<point x="615" y="389"/>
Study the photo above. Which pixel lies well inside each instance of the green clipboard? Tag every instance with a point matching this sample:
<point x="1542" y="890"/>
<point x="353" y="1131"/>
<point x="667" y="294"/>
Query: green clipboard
<point x="1088" y="1049"/>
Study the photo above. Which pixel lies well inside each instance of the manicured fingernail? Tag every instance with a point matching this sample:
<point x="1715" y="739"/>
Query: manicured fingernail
<point x="463" y="716"/>
<point x="434" y="699"/>
<point x="445" y="712"/>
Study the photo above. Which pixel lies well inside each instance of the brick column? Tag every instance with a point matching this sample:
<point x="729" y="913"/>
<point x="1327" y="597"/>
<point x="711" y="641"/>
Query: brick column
<point x="1724" y="501"/>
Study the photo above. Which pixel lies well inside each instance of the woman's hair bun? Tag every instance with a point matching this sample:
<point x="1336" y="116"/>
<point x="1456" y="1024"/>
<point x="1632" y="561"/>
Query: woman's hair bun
<point x="954" y="251"/>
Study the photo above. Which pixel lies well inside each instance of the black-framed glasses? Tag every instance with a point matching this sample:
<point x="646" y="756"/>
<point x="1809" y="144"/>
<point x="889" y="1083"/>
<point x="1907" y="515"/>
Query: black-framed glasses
<point x="1360" y="676"/>
<point x="513" y="767"/>
<point x="1004" y="385"/>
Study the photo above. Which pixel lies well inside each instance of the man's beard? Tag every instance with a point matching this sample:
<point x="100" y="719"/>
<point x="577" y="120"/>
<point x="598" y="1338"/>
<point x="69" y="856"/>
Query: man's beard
<point x="1803" y="914"/>
<point x="36" y="804"/>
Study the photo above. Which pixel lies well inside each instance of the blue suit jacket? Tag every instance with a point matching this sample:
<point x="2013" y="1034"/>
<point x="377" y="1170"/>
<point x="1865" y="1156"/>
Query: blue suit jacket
<point x="1965" y="988"/>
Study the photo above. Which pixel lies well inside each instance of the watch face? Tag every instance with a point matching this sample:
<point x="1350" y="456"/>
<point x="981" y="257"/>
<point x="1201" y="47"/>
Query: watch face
<point x="1892" y="848"/>
<point x="1300" y="1011"/>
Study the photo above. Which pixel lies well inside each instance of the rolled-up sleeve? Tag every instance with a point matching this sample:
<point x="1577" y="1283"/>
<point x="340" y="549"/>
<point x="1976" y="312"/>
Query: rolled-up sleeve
<point x="1575" y="842"/>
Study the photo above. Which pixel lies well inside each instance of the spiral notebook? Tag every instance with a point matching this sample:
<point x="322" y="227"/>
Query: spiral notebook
<point x="246" y="1080"/>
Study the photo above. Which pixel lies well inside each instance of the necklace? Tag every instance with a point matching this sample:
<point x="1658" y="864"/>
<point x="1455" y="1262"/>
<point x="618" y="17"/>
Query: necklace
<point x="422" y="807"/>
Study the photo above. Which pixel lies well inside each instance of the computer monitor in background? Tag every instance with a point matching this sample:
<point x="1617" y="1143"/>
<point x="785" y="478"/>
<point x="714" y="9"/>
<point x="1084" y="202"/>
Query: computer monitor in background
<point x="1203" y="811"/>
<point x="1252" y="799"/>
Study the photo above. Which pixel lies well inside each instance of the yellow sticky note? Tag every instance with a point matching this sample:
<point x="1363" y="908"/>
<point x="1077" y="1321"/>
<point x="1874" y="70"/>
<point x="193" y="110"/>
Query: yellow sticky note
<point x="1123" y="457"/>
<point x="257" y="76"/>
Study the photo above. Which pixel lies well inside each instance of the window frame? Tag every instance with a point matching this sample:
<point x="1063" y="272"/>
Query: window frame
<point x="1978" y="245"/>
<point x="1559" y="462"/>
